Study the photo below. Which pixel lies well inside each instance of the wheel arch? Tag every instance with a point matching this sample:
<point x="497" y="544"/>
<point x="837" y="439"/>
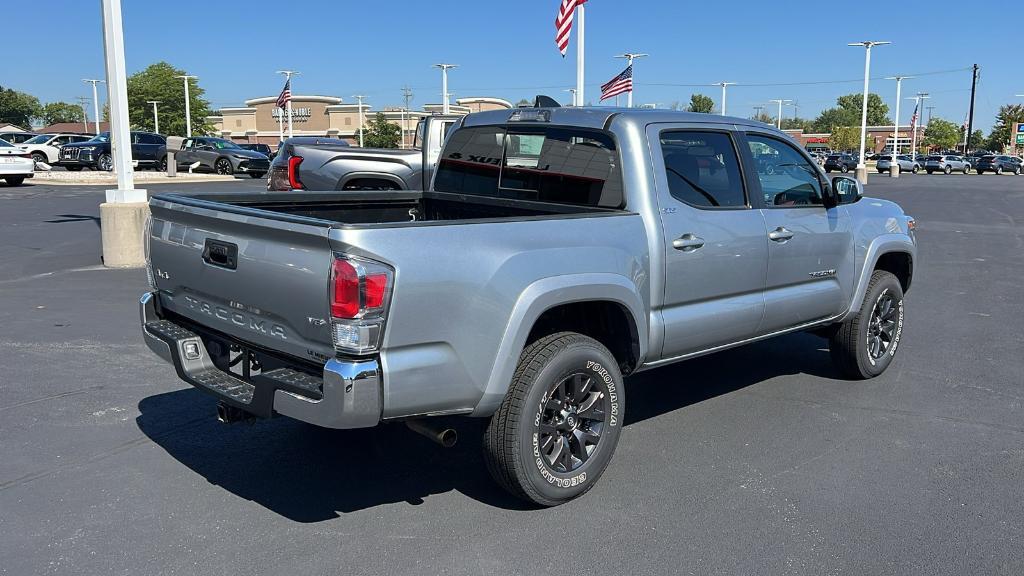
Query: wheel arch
<point x="570" y="303"/>
<point x="894" y="253"/>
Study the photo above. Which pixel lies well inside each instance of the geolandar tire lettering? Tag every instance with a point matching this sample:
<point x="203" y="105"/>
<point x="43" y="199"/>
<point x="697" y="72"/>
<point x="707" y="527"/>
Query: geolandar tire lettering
<point x="555" y="432"/>
<point x="865" y="344"/>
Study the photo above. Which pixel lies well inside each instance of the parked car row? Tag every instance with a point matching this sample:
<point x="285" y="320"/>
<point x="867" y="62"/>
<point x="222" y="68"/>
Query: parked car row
<point x="148" y="150"/>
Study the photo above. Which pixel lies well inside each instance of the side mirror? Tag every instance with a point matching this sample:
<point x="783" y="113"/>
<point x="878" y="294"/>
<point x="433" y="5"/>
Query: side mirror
<point x="846" y="190"/>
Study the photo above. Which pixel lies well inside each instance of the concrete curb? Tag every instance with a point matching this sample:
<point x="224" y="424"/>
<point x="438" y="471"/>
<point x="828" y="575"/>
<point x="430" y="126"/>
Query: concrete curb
<point x="111" y="179"/>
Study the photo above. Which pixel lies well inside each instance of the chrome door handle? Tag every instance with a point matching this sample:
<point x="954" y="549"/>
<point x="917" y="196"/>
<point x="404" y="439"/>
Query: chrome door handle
<point x="780" y="234"/>
<point x="688" y="243"/>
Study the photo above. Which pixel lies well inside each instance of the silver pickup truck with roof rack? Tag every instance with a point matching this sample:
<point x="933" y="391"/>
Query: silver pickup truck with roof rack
<point x="557" y="251"/>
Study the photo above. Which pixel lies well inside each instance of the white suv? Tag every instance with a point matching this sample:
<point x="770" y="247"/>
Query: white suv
<point x="46" y="147"/>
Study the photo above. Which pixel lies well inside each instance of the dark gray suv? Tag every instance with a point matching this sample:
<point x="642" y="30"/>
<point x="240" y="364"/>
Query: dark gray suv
<point x="221" y="156"/>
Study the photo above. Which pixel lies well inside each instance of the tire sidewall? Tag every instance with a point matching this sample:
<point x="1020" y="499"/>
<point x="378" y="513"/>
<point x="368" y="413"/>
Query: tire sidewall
<point x="595" y="360"/>
<point x="871" y="366"/>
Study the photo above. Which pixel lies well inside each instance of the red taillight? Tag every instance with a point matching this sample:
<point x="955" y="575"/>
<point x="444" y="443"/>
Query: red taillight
<point x="376" y="285"/>
<point x="293" y="172"/>
<point x="345" y="294"/>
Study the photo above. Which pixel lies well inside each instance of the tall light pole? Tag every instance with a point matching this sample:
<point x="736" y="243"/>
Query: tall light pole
<point x="573" y="92"/>
<point x="85" y="115"/>
<point x="95" y="101"/>
<point x="780" y="102"/>
<point x="156" y="116"/>
<point x="862" y="171"/>
<point x="630" y="56"/>
<point x="360" y="98"/>
<point x="894" y="167"/>
<point x="723" y="85"/>
<point x="288" y="79"/>
<point x="407" y="97"/>
<point x="444" y="85"/>
<point x="188" y="106"/>
<point x="913" y="126"/>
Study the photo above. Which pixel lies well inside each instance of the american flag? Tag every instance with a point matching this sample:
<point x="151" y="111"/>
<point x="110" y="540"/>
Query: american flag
<point x="563" y="23"/>
<point x="619" y="85"/>
<point x="286" y="95"/>
<point x="913" y="119"/>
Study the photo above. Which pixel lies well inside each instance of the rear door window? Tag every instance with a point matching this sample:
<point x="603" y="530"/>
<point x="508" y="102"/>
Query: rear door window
<point x="702" y="169"/>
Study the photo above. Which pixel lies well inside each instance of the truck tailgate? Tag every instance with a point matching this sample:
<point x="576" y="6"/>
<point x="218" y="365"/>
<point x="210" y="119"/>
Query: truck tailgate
<point x="258" y="276"/>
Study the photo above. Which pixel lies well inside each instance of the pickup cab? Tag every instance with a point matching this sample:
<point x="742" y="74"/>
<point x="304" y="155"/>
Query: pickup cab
<point x="311" y="164"/>
<point x="558" y="251"/>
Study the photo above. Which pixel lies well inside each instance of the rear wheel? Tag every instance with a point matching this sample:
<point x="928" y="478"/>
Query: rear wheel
<point x="999" y="170"/>
<point x="161" y="165"/>
<point x="915" y="169"/>
<point x="947" y="170"/>
<point x="865" y="344"/>
<point x="14" y="180"/>
<point x="967" y="169"/>
<point x="223" y="166"/>
<point x="39" y="158"/>
<point x="557" y="428"/>
<point x="1016" y="171"/>
<point x="979" y="171"/>
<point x="844" y="168"/>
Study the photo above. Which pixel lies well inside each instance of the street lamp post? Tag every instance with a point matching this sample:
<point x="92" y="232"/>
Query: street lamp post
<point x="630" y="56"/>
<point x="862" y="171"/>
<point x="723" y="85"/>
<point x="360" y="98"/>
<point x="288" y="79"/>
<point x="188" y="106"/>
<point x="444" y="85"/>
<point x="573" y="92"/>
<point x="95" y="101"/>
<point x="156" y="116"/>
<point x="894" y="167"/>
<point x="780" y="102"/>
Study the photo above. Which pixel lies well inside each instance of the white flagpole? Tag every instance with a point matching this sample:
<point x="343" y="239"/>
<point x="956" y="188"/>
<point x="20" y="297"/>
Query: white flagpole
<point x="280" y="125"/>
<point x="580" y="99"/>
<point x="290" y="134"/>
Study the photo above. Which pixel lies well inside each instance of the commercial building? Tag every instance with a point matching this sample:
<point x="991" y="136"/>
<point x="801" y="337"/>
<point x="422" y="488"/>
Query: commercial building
<point x="877" y="138"/>
<point x="261" y="121"/>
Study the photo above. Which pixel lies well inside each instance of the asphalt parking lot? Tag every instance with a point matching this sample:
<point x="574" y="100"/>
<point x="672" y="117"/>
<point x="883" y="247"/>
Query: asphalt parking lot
<point x="757" y="460"/>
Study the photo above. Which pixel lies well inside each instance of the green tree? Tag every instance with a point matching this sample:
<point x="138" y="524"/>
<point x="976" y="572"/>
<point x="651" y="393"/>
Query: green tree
<point x="798" y="124"/>
<point x="381" y="134"/>
<point x="763" y="117"/>
<point x="848" y="112"/>
<point x="844" y="138"/>
<point x="701" y="103"/>
<point x="941" y="134"/>
<point x="1000" y="135"/>
<point x="18" y="107"/>
<point x="55" y="112"/>
<point x="523" y="102"/>
<point x="158" y="82"/>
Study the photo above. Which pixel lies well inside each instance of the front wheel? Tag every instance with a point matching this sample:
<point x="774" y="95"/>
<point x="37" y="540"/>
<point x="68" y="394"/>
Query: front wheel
<point x="844" y="169"/>
<point x="979" y="171"/>
<point x="223" y="166"/>
<point x="558" y="426"/>
<point x="999" y="170"/>
<point x="864" y="345"/>
<point x="105" y="163"/>
<point x="39" y="158"/>
<point x="1016" y="171"/>
<point x="947" y="170"/>
<point x="915" y="169"/>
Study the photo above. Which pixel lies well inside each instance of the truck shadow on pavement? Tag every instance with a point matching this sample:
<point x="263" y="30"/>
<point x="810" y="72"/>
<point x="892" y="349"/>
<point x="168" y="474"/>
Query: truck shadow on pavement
<point x="310" y="474"/>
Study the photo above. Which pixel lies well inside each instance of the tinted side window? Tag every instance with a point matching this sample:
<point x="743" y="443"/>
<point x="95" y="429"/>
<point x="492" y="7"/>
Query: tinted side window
<point x="787" y="178"/>
<point x="471" y="161"/>
<point x="149" y="139"/>
<point x="702" y="169"/>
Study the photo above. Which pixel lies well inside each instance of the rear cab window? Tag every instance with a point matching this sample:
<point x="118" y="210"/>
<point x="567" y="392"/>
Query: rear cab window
<point x="554" y="164"/>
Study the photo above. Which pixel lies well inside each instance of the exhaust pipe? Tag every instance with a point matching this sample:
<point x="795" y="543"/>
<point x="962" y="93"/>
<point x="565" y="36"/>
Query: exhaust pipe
<point x="444" y="436"/>
<point x="227" y="414"/>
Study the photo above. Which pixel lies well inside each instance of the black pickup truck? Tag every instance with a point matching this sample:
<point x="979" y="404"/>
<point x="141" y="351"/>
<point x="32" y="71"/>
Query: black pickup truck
<point x="148" y="149"/>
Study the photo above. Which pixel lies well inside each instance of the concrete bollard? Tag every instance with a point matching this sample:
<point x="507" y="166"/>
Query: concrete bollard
<point x="172" y="166"/>
<point x="123" y="225"/>
<point x="894" y="170"/>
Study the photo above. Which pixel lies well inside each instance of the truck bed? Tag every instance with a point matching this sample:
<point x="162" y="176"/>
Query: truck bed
<point x="375" y="208"/>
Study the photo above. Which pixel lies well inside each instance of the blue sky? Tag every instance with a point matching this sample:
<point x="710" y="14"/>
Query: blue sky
<point x="507" y="49"/>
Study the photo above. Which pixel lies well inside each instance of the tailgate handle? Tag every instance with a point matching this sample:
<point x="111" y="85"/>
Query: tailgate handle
<point x="222" y="254"/>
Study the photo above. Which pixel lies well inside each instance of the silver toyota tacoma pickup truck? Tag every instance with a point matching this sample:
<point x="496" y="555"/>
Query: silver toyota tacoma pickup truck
<point x="557" y="251"/>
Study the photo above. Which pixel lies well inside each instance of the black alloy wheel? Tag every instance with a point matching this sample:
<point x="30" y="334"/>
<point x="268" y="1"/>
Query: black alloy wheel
<point x="223" y="166"/>
<point x="844" y="169"/>
<point x="572" y="422"/>
<point x="105" y="163"/>
<point x="882" y="325"/>
<point x="39" y="158"/>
